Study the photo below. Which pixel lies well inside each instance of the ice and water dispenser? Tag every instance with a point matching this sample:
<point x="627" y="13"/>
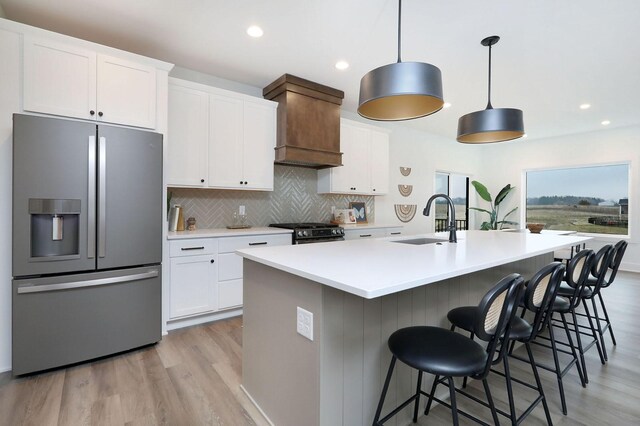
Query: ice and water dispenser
<point x="55" y="227"/>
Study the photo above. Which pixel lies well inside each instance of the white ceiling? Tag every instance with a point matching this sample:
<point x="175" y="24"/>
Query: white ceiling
<point x="553" y="55"/>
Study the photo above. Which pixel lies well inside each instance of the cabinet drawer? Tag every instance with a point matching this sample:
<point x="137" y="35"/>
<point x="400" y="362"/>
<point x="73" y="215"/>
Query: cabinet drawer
<point x="193" y="247"/>
<point x="360" y="234"/>
<point x="231" y="244"/>
<point x="229" y="266"/>
<point x="229" y="294"/>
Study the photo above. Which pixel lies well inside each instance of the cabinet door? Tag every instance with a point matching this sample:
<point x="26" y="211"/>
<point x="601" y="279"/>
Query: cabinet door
<point x="259" y="135"/>
<point x="225" y="142"/>
<point x="361" y="234"/>
<point x="126" y="92"/>
<point x="379" y="147"/>
<point x="193" y="285"/>
<point x="346" y="179"/>
<point x="59" y="79"/>
<point x="188" y="136"/>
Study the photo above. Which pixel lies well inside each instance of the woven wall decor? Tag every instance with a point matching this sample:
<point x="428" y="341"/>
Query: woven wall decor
<point x="405" y="171"/>
<point x="405" y="212"/>
<point x="405" y="190"/>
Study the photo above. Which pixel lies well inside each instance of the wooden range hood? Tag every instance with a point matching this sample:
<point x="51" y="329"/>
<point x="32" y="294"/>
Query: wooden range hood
<point x="308" y="122"/>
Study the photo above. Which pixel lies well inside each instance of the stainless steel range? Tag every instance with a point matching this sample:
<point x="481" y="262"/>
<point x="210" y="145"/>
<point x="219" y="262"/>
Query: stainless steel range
<point x="304" y="233"/>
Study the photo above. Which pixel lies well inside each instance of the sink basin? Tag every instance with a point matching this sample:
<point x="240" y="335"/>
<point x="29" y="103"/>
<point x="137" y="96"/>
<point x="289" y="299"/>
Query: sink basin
<point x="421" y="241"/>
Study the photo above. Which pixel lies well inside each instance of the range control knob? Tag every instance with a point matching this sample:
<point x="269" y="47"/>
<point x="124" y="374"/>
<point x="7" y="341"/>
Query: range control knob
<point x="299" y="233"/>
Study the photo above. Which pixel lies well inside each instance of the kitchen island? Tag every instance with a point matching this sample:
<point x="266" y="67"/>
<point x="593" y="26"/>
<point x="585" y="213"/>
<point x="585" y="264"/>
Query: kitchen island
<point x="360" y="292"/>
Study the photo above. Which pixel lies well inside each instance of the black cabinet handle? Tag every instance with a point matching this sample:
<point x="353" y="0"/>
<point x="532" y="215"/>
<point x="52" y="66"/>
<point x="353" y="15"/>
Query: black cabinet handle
<point x="396" y="233"/>
<point x="92" y="113"/>
<point x="245" y="182"/>
<point x="212" y="261"/>
<point x="374" y="190"/>
<point x="365" y="235"/>
<point x="262" y="243"/>
<point x="240" y="182"/>
<point x="192" y="248"/>
<point x="100" y="114"/>
<point x="201" y="180"/>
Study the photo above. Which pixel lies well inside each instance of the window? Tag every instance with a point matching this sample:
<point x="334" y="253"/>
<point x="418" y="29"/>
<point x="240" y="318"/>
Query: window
<point x="456" y="187"/>
<point x="590" y="199"/>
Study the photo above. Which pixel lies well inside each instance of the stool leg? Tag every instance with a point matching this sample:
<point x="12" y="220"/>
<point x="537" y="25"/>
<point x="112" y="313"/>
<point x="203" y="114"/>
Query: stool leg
<point x="452" y="395"/>
<point x="573" y="351"/>
<point x="580" y="349"/>
<point x="606" y="317"/>
<point x="492" y="406"/>
<point x="600" y="333"/>
<point x="593" y="331"/>
<point x="418" y="388"/>
<point x="538" y="383"/>
<point x="384" y="390"/>
<point x="464" y="381"/>
<point x="558" y="370"/>
<point x="507" y="376"/>
<point x="431" y="395"/>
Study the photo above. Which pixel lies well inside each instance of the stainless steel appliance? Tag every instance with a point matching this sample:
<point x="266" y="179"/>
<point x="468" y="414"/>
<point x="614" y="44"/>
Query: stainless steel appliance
<point x="304" y="233"/>
<point x="87" y="241"/>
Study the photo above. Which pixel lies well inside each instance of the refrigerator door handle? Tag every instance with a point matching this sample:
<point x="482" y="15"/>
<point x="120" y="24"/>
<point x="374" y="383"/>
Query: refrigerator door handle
<point x="91" y="200"/>
<point x="29" y="288"/>
<point x="102" y="194"/>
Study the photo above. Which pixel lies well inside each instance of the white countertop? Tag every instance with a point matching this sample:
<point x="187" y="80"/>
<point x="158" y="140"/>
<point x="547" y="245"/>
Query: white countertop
<point x="225" y="232"/>
<point x="376" y="267"/>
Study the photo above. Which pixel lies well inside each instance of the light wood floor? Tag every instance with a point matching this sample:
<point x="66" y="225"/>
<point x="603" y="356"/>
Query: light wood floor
<point x="192" y="377"/>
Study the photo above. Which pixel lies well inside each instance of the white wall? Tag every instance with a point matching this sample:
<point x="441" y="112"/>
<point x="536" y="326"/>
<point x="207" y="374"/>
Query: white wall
<point x="506" y="163"/>
<point x="9" y="103"/>
<point x="211" y="80"/>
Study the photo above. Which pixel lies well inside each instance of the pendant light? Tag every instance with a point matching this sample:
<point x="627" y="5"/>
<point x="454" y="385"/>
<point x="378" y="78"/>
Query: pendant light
<point x="490" y="125"/>
<point x="400" y="91"/>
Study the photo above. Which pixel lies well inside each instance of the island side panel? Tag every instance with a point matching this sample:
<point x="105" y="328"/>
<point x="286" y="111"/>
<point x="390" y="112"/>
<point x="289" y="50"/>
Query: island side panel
<point x="280" y="368"/>
<point x="354" y="353"/>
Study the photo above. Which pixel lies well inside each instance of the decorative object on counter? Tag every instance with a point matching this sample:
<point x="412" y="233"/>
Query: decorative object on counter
<point x="490" y="125"/>
<point x="180" y="224"/>
<point x="535" y="228"/>
<point x="359" y="211"/>
<point x="405" y="190"/>
<point x="239" y="221"/>
<point x="174" y="217"/>
<point x="405" y="171"/>
<point x="191" y="224"/>
<point x="405" y="212"/>
<point x="343" y="216"/>
<point x="493" y="222"/>
<point x="401" y="90"/>
<point x="169" y="197"/>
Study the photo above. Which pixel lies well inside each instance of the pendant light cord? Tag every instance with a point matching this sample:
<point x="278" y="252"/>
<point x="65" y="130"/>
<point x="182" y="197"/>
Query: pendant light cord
<point x="489" y="106"/>
<point x="399" y="28"/>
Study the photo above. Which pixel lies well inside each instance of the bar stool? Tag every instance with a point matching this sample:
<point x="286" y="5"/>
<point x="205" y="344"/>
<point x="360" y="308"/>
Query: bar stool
<point x="447" y="354"/>
<point x="599" y="268"/>
<point x="540" y="293"/>
<point x="620" y="248"/>
<point x="576" y="275"/>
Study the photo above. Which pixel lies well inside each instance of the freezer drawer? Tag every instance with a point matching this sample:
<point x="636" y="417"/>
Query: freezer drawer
<point x="64" y="320"/>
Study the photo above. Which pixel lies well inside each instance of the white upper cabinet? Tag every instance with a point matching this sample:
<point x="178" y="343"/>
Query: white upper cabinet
<point x="188" y="136"/>
<point x="365" y="160"/>
<point x="237" y="135"/>
<point x="66" y="80"/>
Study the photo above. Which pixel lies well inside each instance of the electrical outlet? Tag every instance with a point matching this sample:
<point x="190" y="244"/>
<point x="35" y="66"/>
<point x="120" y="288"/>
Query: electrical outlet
<point x="241" y="210"/>
<point x="304" y="323"/>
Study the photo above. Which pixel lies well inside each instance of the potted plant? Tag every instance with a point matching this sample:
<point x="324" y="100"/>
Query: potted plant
<point x="493" y="222"/>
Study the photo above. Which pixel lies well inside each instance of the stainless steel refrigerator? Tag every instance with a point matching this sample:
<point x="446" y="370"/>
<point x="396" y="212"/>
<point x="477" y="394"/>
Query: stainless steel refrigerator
<point x="87" y="241"/>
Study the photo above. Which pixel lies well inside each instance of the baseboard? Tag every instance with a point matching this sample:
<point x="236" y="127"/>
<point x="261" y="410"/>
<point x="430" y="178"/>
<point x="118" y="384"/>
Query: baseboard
<point x="5" y="369"/>
<point x="253" y="401"/>
<point x="201" y="319"/>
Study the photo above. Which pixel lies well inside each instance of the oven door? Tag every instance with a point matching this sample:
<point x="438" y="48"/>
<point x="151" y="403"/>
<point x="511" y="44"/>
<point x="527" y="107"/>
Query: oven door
<point x="318" y="240"/>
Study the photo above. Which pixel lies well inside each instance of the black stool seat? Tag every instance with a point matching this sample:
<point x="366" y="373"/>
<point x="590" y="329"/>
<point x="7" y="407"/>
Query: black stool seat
<point x="520" y="329"/>
<point x="438" y="351"/>
<point x="560" y="304"/>
<point x="566" y="290"/>
<point x="464" y="317"/>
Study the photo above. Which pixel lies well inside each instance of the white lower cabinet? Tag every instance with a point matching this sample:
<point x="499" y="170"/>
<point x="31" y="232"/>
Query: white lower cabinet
<point x="206" y="274"/>
<point x="371" y="232"/>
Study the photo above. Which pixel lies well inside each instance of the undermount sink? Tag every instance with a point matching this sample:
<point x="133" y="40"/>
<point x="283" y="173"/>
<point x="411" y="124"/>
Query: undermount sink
<point x="421" y="241"/>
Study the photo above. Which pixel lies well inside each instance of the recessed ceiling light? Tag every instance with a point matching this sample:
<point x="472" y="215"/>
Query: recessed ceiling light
<point x="255" y="31"/>
<point x="342" y="65"/>
<point x="446" y="105"/>
<point x="585" y="106"/>
<point x="605" y="123"/>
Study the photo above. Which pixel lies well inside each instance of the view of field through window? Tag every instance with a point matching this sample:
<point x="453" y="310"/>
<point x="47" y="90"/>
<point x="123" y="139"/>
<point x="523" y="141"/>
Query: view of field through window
<point x="456" y="187"/>
<point x="593" y="199"/>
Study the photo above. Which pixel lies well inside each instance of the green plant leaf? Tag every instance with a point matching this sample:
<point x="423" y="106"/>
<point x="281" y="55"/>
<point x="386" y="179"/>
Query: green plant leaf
<point x="481" y="190"/>
<point x="486" y="226"/>
<point x="503" y="193"/>
<point x="513" y="210"/>
<point x="480" y="210"/>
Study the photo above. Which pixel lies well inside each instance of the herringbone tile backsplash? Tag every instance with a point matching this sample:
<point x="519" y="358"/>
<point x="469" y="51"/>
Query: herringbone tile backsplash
<point x="294" y="199"/>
